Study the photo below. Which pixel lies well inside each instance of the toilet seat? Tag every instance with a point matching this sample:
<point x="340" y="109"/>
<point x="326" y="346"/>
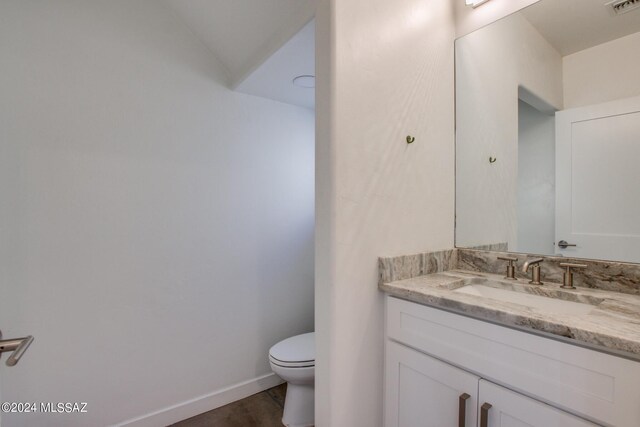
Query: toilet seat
<point x="307" y="364"/>
<point x="294" y="352"/>
<point x="294" y="361"/>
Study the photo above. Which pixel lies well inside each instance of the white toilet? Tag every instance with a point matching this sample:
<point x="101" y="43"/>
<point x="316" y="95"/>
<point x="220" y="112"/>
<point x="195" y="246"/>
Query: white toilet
<point x="294" y="360"/>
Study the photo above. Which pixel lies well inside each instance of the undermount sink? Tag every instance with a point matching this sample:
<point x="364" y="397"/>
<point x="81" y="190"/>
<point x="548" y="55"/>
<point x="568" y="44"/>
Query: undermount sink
<point x="509" y="293"/>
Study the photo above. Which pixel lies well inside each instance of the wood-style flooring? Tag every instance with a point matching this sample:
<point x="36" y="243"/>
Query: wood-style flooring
<point x="260" y="410"/>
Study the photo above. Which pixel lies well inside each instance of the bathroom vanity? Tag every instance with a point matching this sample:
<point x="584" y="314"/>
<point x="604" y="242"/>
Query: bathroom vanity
<point x="471" y="348"/>
<point x="547" y="131"/>
<point x="454" y="370"/>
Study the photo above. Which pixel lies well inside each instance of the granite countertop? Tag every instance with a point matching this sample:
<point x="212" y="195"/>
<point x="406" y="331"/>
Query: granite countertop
<point x="612" y="325"/>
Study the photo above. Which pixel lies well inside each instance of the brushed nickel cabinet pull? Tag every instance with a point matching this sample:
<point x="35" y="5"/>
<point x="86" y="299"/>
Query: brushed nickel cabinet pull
<point x="462" y="410"/>
<point x="484" y="414"/>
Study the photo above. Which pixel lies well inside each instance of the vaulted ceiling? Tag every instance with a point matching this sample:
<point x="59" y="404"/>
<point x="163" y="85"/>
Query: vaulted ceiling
<point x="243" y="34"/>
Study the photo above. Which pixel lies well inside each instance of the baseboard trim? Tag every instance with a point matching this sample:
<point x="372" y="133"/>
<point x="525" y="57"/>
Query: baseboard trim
<point x="190" y="408"/>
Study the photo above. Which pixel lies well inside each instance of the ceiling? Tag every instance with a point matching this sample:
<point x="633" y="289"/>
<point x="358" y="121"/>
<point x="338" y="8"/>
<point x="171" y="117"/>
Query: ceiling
<point x="274" y="78"/>
<point x="574" y="25"/>
<point x="259" y="42"/>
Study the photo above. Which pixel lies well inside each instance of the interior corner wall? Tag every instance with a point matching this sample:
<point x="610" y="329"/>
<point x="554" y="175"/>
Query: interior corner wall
<point x="603" y="73"/>
<point x="491" y="65"/>
<point x="536" y="198"/>
<point x="156" y="231"/>
<point x="388" y="73"/>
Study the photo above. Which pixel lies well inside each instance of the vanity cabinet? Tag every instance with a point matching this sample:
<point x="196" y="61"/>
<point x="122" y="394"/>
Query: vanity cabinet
<point x="434" y="357"/>
<point x="423" y="391"/>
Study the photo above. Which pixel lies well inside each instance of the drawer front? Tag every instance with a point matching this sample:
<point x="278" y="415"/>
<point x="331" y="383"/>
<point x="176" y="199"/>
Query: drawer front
<point x="588" y="383"/>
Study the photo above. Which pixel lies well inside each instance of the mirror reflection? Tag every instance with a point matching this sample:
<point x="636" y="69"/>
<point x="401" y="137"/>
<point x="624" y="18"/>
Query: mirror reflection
<point x="548" y="132"/>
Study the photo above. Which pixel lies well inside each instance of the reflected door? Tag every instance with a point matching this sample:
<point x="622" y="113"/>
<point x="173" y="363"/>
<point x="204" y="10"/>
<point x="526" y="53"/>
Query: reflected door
<point x="598" y="181"/>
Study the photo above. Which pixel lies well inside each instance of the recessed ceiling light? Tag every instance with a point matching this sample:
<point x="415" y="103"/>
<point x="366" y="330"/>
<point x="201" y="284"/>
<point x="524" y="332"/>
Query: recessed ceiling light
<point x="305" y="81"/>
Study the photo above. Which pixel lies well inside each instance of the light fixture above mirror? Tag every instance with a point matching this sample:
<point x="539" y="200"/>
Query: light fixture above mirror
<point x="475" y="3"/>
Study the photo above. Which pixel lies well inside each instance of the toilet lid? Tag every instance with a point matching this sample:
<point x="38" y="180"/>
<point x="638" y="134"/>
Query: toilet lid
<point x="296" y="350"/>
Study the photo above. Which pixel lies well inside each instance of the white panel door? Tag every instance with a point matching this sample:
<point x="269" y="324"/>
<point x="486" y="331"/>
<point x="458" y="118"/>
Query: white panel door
<point x="505" y="408"/>
<point x="598" y="181"/>
<point x="421" y="391"/>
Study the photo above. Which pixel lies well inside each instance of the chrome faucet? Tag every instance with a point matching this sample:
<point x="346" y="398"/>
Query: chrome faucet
<point x="535" y="270"/>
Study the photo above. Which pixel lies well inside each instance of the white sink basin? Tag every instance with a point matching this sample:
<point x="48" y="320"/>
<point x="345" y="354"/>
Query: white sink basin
<point x="549" y="305"/>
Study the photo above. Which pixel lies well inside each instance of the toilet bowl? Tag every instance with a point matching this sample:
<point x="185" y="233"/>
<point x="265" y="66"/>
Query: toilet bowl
<point x="294" y="361"/>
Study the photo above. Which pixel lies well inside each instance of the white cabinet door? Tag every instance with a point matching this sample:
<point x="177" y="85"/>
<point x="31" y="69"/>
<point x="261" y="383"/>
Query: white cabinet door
<point x="500" y="407"/>
<point x="597" y="180"/>
<point x="421" y="391"/>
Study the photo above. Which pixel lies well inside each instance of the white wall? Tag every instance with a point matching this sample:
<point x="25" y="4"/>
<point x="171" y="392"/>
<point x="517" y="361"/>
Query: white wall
<point x="491" y="65"/>
<point x="385" y="71"/>
<point x="157" y="228"/>
<point x="603" y="73"/>
<point x="536" y="196"/>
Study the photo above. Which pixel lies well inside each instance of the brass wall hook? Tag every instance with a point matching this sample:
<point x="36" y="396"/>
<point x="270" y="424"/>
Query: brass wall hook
<point x="410" y="139"/>
<point x="492" y="159"/>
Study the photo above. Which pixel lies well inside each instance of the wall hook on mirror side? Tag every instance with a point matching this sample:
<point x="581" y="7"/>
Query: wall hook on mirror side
<point x="492" y="159"/>
<point x="410" y="139"/>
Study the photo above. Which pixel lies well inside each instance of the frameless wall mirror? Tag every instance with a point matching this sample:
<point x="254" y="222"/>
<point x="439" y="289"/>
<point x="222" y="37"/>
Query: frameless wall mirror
<point x="548" y="131"/>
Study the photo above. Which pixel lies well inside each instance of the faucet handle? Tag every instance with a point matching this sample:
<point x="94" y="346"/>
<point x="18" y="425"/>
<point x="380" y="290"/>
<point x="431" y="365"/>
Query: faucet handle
<point x="567" y="279"/>
<point x="511" y="269"/>
<point x="570" y="265"/>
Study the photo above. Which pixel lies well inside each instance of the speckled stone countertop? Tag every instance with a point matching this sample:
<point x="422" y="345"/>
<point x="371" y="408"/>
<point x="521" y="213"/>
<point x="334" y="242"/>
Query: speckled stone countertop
<point x="612" y="325"/>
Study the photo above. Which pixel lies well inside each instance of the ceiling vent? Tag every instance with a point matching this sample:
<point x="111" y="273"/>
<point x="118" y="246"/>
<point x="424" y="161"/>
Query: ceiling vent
<point x="619" y="7"/>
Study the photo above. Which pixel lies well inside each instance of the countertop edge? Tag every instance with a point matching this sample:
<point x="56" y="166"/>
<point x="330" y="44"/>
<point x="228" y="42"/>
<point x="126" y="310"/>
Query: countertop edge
<point x="520" y="322"/>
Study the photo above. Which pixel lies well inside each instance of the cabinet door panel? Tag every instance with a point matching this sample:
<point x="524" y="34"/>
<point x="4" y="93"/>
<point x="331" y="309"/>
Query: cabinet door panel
<point x="594" y="385"/>
<point x="421" y="391"/>
<point x="511" y="409"/>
